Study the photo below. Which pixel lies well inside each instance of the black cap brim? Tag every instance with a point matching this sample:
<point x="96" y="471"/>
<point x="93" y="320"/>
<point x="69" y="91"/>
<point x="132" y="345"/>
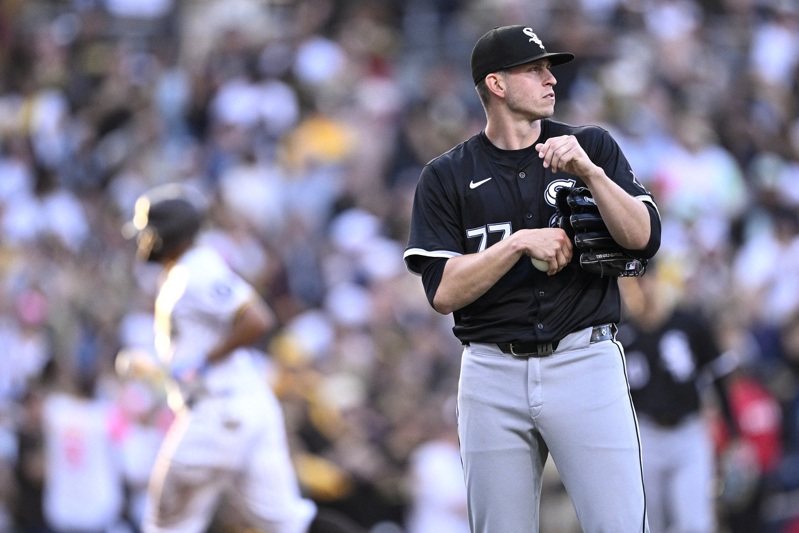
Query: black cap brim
<point x="555" y="58"/>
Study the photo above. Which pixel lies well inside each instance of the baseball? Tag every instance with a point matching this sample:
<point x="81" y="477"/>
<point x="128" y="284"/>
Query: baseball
<point x="540" y="264"/>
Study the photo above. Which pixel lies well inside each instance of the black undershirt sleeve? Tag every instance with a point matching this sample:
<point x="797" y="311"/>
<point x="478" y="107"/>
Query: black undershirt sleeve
<point x="432" y="271"/>
<point x="654" y="235"/>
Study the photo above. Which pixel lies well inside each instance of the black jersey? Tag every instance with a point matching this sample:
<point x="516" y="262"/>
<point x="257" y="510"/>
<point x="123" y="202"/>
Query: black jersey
<point x="475" y="195"/>
<point x="666" y="363"/>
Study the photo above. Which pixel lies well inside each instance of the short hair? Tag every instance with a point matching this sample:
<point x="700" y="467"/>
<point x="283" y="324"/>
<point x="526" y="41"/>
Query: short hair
<point x="483" y="92"/>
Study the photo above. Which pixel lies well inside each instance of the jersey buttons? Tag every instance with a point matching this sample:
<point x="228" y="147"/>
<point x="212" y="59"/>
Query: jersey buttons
<point x="522" y="174"/>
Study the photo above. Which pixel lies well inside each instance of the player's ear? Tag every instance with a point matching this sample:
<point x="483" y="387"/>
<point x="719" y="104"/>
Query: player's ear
<point x="495" y="83"/>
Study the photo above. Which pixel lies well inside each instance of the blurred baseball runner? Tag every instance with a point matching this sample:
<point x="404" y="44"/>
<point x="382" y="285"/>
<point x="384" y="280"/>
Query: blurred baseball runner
<point x="228" y="436"/>
<point x="541" y="371"/>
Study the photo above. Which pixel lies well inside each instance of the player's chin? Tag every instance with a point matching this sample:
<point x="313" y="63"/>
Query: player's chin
<point x="546" y="109"/>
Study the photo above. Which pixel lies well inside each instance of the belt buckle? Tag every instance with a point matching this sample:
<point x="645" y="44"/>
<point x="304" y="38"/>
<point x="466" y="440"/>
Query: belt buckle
<point x="514" y="354"/>
<point x="541" y="350"/>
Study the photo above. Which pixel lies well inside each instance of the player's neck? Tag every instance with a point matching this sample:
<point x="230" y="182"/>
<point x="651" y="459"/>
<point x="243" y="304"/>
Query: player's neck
<point x="512" y="135"/>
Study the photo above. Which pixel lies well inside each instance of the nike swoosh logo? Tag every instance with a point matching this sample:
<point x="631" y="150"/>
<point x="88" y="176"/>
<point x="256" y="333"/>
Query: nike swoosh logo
<point x="474" y="184"/>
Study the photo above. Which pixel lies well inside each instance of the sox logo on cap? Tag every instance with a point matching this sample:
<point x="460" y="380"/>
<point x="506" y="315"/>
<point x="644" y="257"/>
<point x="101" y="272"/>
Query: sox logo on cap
<point x="533" y="37"/>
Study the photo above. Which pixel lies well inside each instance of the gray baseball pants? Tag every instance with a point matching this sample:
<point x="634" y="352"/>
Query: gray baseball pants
<point x="678" y="476"/>
<point x="573" y="405"/>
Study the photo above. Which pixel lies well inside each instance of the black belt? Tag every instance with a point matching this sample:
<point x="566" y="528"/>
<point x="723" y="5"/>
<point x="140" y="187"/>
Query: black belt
<point x="543" y="349"/>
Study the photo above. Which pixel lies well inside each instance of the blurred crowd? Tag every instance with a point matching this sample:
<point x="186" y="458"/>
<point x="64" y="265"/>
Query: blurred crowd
<point x="306" y="122"/>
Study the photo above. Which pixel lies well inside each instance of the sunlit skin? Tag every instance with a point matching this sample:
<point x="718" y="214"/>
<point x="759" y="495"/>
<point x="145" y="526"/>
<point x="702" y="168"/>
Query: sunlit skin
<point x="529" y="95"/>
<point x="520" y="97"/>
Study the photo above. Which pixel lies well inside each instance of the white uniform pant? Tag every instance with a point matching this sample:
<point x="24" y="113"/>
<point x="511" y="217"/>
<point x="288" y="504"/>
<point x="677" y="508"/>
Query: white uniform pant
<point x="574" y="405"/>
<point x="234" y="445"/>
<point x="678" y="476"/>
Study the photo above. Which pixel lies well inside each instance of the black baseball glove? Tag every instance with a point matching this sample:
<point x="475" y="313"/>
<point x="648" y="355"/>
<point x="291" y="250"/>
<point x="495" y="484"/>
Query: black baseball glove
<point x="598" y="253"/>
